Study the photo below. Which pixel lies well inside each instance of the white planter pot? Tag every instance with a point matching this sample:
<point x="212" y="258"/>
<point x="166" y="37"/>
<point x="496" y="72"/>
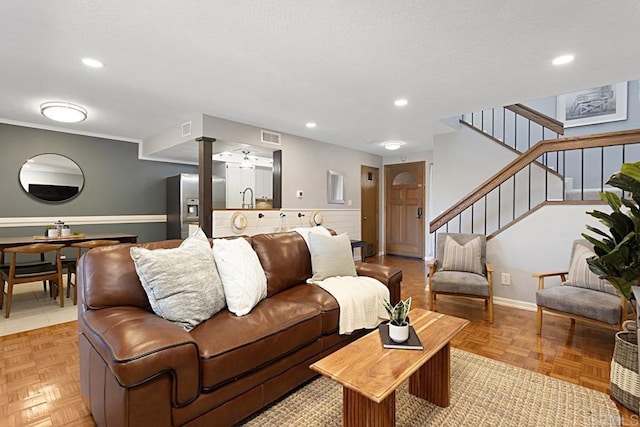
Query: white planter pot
<point x="399" y="333"/>
<point x="53" y="232"/>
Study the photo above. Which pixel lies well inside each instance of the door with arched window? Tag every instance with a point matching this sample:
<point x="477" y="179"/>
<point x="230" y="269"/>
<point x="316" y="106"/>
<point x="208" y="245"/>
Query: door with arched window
<point x="404" y="209"/>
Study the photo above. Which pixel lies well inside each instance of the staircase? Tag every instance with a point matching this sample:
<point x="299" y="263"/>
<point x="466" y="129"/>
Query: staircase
<point x="549" y="169"/>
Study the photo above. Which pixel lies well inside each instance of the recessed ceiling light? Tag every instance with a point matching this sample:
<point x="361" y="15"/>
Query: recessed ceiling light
<point x="63" y="112"/>
<point x="393" y="145"/>
<point x="310" y="125"/>
<point x="401" y="102"/>
<point x="93" y="63"/>
<point x="561" y="60"/>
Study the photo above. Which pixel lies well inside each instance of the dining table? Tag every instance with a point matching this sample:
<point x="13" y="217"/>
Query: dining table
<point x="7" y="242"/>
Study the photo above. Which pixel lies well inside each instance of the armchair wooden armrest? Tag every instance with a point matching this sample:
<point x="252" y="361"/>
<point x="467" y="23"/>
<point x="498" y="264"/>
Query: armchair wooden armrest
<point x="433" y="266"/>
<point x="541" y="276"/>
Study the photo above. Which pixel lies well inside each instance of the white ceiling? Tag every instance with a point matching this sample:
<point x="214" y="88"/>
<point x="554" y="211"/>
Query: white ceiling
<point x="278" y="64"/>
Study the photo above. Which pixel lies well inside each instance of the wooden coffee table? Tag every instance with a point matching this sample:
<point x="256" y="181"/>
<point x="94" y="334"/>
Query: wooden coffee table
<point x="370" y="374"/>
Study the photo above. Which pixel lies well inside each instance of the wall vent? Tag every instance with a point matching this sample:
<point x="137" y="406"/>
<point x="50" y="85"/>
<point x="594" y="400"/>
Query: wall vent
<point x="269" y="137"/>
<point x="186" y="129"/>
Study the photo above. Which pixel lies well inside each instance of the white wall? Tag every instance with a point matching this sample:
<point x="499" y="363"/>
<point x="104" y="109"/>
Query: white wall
<point x="305" y="163"/>
<point x="540" y="242"/>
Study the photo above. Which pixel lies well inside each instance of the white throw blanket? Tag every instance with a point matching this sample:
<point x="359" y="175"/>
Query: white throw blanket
<point x="360" y="300"/>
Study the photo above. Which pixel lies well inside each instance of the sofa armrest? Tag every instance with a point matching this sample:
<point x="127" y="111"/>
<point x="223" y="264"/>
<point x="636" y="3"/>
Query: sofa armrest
<point x="138" y="346"/>
<point x="390" y="276"/>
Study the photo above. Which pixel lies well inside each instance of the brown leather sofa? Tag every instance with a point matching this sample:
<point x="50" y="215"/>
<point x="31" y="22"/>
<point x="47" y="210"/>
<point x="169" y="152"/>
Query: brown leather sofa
<point x="138" y="369"/>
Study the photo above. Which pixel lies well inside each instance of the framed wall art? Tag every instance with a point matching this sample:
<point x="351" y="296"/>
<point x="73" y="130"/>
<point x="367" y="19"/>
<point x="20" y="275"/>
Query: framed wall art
<point x="596" y="105"/>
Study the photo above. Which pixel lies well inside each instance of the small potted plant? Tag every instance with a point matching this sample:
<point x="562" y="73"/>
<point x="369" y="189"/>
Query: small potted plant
<point x="398" y="324"/>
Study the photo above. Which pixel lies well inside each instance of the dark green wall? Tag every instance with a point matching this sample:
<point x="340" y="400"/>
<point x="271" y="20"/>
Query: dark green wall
<point x="116" y="182"/>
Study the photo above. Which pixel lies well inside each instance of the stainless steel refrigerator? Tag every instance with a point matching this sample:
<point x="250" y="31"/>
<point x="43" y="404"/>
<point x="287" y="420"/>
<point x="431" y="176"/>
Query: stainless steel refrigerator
<point x="183" y="206"/>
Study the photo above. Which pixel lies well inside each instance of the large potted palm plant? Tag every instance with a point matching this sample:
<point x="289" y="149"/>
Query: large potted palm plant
<point x="617" y="260"/>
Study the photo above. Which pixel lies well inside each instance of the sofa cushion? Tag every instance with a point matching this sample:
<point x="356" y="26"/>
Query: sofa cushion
<point x="243" y="279"/>
<point x="182" y="284"/>
<point x="466" y="257"/>
<point x="460" y="282"/>
<point x="285" y="260"/>
<point x="232" y="346"/>
<point x="582" y="302"/>
<point x="581" y="276"/>
<point x="317" y="298"/>
<point x="331" y="256"/>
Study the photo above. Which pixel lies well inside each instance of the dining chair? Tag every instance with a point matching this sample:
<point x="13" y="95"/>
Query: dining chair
<point x="16" y="273"/>
<point x="71" y="264"/>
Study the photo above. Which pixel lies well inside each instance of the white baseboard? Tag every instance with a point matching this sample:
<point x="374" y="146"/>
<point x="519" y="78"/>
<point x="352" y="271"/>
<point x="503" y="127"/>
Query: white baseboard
<point x="522" y="305"/>
<point x="506" y="302"/>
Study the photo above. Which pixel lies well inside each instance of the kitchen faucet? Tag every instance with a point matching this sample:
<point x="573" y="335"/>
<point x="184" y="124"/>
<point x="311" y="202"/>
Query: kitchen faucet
<point x="250" y="204"/>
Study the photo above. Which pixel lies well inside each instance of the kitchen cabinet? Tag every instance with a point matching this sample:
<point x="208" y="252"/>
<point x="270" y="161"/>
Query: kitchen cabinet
<point x="264" y="183"/>
<point x="240" y="181"/>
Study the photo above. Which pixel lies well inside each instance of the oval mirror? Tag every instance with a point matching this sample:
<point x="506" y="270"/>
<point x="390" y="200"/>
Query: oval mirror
<point x="51" y="178"/>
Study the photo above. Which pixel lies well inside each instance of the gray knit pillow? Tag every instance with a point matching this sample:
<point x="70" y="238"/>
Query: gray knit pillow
<point x="182" y="284"/>
<point x="582" y="277"/>
<point x="462" y="257"/>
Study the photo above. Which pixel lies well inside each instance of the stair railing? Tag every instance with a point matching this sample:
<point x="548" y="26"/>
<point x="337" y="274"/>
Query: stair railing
<point x="523" y="184"/>
<point x="514" y="126"/>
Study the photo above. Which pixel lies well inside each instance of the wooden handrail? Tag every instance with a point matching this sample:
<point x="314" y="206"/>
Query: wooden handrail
<point x="549" y="145"/>
<point x="536" y="116"/>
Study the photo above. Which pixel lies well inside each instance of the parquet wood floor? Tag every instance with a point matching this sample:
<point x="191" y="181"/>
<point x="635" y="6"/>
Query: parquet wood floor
<point x="39" y="371"/>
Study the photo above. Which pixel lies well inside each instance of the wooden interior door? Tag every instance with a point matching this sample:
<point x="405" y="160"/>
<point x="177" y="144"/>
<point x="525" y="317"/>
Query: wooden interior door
<point x="369" y="221"/>
<point x="404" y="209"/>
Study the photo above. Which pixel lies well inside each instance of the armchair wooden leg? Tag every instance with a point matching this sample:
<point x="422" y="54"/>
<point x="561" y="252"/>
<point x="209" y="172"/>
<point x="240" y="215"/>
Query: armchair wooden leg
<point x="539" y="321"/>
<point x="432" y="300"/>
<point x="489" y="302"/>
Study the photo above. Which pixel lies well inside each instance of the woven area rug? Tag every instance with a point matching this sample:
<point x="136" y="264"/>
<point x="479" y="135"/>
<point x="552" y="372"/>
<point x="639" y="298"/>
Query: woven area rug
<point x="484" y="392"/>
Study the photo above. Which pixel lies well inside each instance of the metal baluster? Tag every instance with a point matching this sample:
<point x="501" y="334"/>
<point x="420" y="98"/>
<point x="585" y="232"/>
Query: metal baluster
<point x="472" y="205"/>
<point x="564" y="175"/>
<point x="529" y="186"/>
<point x="601" y="168"/>
<point x="485" y="214"/>
<point x="514" y="197"/>
<point x="499" y="203"/>
<point x="493" y="122"/>
<point x="582" y="174"/>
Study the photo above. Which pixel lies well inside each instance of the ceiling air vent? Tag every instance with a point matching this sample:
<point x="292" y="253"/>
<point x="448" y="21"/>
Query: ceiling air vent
<point x="269" y="137"/>
<point x="186" y="129"/>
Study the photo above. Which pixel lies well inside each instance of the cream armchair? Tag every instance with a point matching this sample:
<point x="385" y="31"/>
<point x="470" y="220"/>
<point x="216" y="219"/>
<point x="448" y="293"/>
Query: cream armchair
<point x="582" y="295"/>
<point x="460" y="268"/>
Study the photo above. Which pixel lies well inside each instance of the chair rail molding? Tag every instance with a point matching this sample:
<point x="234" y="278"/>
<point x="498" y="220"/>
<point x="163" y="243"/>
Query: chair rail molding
<point x="8" y="222"/>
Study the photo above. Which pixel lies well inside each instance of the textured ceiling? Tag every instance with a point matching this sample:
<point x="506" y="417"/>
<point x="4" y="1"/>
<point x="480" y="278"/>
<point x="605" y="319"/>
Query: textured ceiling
<point x="280" y="63"/>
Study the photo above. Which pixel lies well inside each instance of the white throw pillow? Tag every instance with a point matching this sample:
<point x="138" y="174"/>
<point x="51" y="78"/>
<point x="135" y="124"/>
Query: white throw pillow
<point x="243" y="278"/>
<point x="331" y="256"/>
<point x="582" y="277"/>
<point x="465" y="257"/>
<point x="182" y="283"/>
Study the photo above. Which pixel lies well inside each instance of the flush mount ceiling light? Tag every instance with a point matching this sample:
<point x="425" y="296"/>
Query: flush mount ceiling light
<point x="393" y="145"/>
<point x="562" y="60"/>
<point x="401" y="102"/>
<point x="93" y="63"/>
<point x="63" y="112"/>
<point x="246" y="163"/>
<point x="310" y="125"/>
